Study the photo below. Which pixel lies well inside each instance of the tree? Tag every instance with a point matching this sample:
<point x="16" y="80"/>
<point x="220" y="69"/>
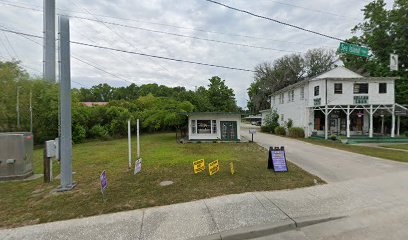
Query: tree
<point x="284" y="71"/>
<point x="383" y="31"/>
<point x="220" y="96"/>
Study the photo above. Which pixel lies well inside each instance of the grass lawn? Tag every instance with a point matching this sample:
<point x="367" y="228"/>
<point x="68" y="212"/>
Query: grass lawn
<point x="31" y="202"/>
<point x="396" y="146"/>
<point x="400" y="156"/>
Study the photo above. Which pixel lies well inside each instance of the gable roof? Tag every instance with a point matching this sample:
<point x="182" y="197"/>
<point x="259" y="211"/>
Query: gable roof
<point x="338" y="72"/>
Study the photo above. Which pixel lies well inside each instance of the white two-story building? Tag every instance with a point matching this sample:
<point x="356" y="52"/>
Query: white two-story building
<point x="340" y="102"/>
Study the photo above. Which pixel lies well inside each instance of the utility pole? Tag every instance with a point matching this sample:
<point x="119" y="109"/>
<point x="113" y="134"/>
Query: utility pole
<point x="18" y="108"/>
<point x="65" y="106"/>
<point x="49" y="41"/>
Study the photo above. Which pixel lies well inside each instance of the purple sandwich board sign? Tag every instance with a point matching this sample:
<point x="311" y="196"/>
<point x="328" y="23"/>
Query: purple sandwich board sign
<point x="104" y="182"/>
<point x="277" y="159"/>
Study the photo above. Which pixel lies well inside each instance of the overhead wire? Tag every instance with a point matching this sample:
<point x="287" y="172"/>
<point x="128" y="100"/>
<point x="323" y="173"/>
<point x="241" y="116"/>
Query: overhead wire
<point x="162" y="24"/>
<point x="276" y="21"/>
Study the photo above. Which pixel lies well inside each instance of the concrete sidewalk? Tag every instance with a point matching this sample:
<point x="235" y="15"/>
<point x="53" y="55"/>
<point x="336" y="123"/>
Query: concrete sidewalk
<point x="219" y="216"/>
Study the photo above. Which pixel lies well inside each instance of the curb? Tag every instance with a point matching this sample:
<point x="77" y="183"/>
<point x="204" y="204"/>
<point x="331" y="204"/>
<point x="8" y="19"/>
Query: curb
<point x="267" y="229"/>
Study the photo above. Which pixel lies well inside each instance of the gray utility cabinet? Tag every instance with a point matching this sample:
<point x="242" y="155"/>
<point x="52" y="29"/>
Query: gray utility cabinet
<point x="16" y="155"/>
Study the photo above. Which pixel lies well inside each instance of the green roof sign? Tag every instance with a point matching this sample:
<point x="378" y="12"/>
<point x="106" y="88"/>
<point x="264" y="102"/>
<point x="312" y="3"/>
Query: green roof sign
<point x="353" y="49"/>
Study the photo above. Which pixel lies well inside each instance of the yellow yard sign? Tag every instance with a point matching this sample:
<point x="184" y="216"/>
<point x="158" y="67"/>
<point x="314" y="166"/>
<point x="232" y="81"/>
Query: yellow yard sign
<point x="199" y="166"/>
<point x="232" y="168"/>
<point x="213" y="167"/>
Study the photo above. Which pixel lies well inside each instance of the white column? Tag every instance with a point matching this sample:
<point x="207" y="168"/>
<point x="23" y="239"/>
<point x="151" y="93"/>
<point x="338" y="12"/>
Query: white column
<point x="348" y="121"/>
<point x="326" y="123"/>
<point x="393" y="122"/>
<point x="398" y="125"/>
<point x="370" y="132"/>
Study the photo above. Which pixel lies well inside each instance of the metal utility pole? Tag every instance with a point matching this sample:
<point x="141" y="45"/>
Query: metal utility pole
<point x="31" y="112"/>
<point x="65" y="106"/>
<point x="18" y="108"/>
<point x="49" y="41"/>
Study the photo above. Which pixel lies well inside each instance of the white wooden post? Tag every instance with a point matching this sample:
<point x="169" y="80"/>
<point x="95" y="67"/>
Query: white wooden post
<point x="326" y="123"/>
<point x="138" y="140"/>
<point x="398" y="125"/>
<point x="370" y="132"/>
<point x="393" y="122"/>
<point x="348" y="121"/>
<point x="129" y="145"/>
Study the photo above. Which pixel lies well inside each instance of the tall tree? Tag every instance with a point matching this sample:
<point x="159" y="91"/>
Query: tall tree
<point x="220" y="96"/>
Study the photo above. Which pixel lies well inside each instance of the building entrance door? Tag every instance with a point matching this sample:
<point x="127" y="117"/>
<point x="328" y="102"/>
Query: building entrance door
<point x="228" y="130"/>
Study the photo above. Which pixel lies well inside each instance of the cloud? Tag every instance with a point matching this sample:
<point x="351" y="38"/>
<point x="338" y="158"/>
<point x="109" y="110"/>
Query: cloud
<point x="188" y="14"/>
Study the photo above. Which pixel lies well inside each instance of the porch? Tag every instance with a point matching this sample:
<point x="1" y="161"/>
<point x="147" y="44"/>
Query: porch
<point x="372" y="121"/>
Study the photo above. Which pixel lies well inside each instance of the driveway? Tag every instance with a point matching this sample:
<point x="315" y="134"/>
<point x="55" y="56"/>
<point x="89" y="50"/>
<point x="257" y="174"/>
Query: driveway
<point x="332" y="165"/>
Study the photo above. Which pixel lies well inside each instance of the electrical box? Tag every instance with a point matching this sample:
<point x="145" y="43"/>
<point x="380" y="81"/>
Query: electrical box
<point x="16" y="155"/>
<point x="51" y="148"/>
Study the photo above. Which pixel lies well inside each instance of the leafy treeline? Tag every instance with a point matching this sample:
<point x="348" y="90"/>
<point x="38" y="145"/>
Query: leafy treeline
<point x="287" y="70"/>
<point x="383" y="31"/>
<point x="156" y="106"/>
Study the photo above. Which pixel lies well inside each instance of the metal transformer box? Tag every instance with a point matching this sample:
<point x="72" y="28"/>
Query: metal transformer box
<point x="16" y="155"/>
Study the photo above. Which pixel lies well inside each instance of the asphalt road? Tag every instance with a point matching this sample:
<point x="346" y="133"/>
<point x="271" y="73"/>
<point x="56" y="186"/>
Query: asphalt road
<point x="330" y="164"/>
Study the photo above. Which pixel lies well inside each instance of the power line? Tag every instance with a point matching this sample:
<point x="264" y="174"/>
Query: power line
<point x="277" y="21"/>
<point x="180" y="35"/>
<point x="161" y="24"/>
<point x="160" y="57"/>
<point x="138" y="53"/>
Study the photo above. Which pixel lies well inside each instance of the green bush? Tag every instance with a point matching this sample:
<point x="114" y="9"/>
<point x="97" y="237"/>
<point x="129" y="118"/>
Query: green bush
<point x="296" y="132"/>
<point x="406" y="133"/>
<point x="289" y="124"/>
<point x="78" y="134"/>
<point x="267" y="129"/>
<point x="99" y="131"/>
<point x="279" y="130"/>
<point x="333" y="137"/>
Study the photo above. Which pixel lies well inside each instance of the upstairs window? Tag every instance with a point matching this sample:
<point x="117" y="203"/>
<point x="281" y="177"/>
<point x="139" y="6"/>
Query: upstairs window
<point x="316" y="90"/>
<point x="360" y="88"/>
<point x="302" y="93"/>
<point x="382" y="88"/>
<point x="338" y="88"/>
<point x="292" y="95"/>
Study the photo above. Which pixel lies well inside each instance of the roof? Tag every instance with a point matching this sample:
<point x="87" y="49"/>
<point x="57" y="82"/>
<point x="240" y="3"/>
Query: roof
<point x="340" y="73"/>
<point x="210" y="113"/>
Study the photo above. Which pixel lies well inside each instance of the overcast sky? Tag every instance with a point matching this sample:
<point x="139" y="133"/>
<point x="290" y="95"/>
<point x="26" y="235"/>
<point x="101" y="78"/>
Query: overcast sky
<point x="196" y="18"/>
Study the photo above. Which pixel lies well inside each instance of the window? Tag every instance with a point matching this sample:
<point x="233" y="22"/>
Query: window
<point x="382" y="88"/>
<point x="292" y="95"/>
<point x="214" y="126"/>
<point x="302" y="93"/>
<point x="204" y="126"/>
<point x="338" y="88"/>
<point x="193" y="126"/>
<point x="289" y="96"/>
<point x="316" y="90"/>
<point x="360" y="88"/>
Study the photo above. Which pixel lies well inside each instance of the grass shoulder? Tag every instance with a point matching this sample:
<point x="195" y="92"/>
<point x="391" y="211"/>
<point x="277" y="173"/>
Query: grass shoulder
<point x="32" y="202"/>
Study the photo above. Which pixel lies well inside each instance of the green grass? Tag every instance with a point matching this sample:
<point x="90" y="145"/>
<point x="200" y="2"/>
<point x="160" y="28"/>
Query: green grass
<point x="31" y="202"/>
<point x="396" y="146"/>
<point x="400" y="156"/>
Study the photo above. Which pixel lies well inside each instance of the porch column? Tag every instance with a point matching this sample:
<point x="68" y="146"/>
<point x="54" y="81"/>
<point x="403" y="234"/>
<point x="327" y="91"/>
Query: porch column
<point x="398" y="125"/>
<point x="326" y="123"/>
<point x="348" y="122"/>
<point x="393" y="122"/>
<point x="370" y="132"/>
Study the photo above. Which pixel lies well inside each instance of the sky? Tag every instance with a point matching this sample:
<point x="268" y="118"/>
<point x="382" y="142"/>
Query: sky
<point x="192" y="18"/>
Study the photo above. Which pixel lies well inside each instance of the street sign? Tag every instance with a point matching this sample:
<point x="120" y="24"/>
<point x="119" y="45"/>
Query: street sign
<point x="104" y="182"/>
<point x="213" y="167"/>
<point x="277" y="159"/>
<point x="199" y="165"/>
<point x="353" y="49"/>
<point x="393" y="62"/>
<point x="252" y="131"/>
